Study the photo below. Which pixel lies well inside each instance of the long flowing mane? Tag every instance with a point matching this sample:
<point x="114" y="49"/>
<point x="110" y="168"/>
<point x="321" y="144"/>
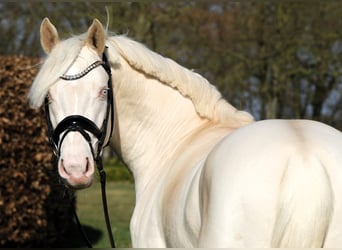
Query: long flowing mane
<point x="207" y="100"/>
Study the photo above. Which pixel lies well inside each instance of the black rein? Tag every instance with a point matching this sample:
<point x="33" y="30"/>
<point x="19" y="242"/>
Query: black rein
<point x="81" y="124"/>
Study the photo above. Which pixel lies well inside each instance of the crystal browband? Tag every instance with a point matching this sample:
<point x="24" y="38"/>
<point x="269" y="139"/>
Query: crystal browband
<point x="83" y="73"/>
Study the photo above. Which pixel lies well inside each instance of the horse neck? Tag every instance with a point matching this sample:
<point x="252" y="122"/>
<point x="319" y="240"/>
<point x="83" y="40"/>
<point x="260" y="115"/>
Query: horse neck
<point x="153" y="120"/>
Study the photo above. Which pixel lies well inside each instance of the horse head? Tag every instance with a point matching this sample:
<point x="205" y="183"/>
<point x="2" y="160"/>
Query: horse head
<point x="78" y="105"/>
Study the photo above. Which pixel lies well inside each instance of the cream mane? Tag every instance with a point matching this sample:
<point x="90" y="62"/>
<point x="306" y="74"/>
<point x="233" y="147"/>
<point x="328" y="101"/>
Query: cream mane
<point x="55" y="65"/>
<point x="207" y="100"/>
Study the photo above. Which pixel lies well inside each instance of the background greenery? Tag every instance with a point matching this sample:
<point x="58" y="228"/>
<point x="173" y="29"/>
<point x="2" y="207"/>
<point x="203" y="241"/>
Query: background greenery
<point x="120" y="199"/>
<point x="276" y="59"/>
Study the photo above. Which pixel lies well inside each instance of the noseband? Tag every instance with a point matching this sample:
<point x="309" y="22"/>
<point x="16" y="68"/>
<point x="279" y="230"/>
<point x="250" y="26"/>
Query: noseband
<point x="81" y="124"/>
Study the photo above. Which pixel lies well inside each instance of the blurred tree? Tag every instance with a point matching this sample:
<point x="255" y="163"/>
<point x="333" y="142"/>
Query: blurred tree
<point x="273" y="58"/>
<point x="292" y="62"/>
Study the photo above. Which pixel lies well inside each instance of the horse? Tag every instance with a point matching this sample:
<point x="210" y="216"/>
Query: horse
<point x="206" y="174"/>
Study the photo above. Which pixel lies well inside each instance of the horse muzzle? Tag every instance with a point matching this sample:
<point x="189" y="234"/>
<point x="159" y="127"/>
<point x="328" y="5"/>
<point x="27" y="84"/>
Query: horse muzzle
<point x="76" y="162"/>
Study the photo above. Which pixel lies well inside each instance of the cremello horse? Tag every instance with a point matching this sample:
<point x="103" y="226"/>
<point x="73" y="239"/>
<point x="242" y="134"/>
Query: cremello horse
<point x="206" y="174"/>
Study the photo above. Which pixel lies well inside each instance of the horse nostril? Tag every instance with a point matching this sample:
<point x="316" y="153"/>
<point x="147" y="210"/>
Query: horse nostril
<point x="87" y="166"/>
<point x="64" y="169"/>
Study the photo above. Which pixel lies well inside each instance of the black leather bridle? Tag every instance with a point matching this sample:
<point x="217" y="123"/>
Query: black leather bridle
<point x="81" y="124"/>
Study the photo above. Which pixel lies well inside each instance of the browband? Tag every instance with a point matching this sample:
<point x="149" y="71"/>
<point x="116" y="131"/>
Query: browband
<point x="83" y="73"/>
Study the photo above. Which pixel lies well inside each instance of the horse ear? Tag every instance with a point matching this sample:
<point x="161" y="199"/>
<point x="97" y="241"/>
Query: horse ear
<point x="96" y="36"/>
<point x="48" y="35"/>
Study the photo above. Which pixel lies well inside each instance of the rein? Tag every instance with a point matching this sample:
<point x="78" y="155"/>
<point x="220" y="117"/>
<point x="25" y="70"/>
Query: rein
<point x="81" y="124"/>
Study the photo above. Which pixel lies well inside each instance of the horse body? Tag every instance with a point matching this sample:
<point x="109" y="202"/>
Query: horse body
<point x="206" y="174"/>
<point x="224" y="199"/>
<point x="283" y="167"/>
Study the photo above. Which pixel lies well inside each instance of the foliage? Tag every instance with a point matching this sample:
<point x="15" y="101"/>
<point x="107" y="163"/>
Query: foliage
<point x="117" y="171"/>
<point x="276" y="59"/>
<point x="293" y="55"/>
<point x="34" y="211"/>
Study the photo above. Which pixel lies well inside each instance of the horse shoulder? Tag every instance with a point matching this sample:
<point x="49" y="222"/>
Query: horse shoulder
<point x="180" y="197"/>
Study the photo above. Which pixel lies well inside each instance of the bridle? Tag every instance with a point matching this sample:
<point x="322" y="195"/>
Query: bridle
<point x="81" y="124"/>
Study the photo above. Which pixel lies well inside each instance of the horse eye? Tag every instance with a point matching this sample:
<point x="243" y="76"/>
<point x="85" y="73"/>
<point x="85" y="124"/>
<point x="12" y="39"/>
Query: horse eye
<point x="104" y="92"/>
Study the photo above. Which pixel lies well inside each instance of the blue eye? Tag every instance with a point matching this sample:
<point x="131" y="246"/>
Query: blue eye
<point x="104" y="92"/>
